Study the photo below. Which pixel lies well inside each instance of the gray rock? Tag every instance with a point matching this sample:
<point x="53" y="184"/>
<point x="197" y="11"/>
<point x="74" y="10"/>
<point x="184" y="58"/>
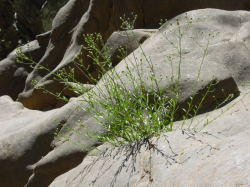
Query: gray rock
<point x="81" y="88"/>
<point x="13" y="74"/>
<point x="22" y="145"/>
<point x="215" y="67"/>
<point x="43" y="39"/>
<point x="27" y="145"/>
<point x="59" y="41"/>
<point x="181" y="149"/>
<point x="24" y="140"/>
<point x="217" y="156"/>
<point x="126" y="40"/>
<point x="86" y="17"/>
<point x="48" y="12"/>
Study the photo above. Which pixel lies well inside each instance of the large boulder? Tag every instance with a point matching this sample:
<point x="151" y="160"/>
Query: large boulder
<point x="28" y="135"/>
<point x="101" y="17"/>
<point x="227" y="71"/>
<point x="230" y="76"/>
<point x="13" y="74"/>
<point x="24" y="140"/>
<point x="28" y="148"/>
<point x="217" y="156"/>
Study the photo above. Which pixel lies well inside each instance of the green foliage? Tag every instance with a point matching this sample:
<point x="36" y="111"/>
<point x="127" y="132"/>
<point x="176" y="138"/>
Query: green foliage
<point x="129" y="115"/>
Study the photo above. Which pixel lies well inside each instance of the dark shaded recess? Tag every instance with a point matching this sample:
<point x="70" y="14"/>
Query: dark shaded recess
<point x="163" y="9"/>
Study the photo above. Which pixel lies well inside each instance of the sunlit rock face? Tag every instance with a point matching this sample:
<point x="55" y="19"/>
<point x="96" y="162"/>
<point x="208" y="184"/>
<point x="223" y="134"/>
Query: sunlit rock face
<point x="216" y="156"/>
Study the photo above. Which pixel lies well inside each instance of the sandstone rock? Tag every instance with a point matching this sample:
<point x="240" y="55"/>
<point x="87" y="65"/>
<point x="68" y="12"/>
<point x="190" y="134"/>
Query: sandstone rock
<point x="59" y="40"/>
<point x="228" y="60"/>
<point x="175" y="157"/>
<point x="105" y="20"/>
<point x="48" y="12"/>
<point x="26" y="138"/>
<point x="215" y="67"/>
<point x="72" y="90"/>
<point x="126" y="40"/>
<point x="14" y="74"/>
<point x="116" y="40"/>
<point x="217" y="156"/>
<point x="22" y="141"/>
<point x="82" y="88"/>
<point x="34" y="17"/>
<point x="43" y="39"/>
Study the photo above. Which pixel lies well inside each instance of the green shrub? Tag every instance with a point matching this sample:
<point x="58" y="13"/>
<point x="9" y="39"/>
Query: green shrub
<point x="130" y="115"/>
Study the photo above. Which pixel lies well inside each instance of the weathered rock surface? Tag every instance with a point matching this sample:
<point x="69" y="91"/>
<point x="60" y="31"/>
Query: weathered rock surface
<point x="127" y="41"/>
<point x="217" y="156"/>
<point x="27" y="135"/>
<point x="49" y="11"/>
<point x="59" y="41"/>
<point x="228" y="70"/>
<point x="13" y="74"/>
<point x="101" y="17"/>
<point x="26" y="147"/>
<point x="229" y="76"/>
<point x="24" y="140"/>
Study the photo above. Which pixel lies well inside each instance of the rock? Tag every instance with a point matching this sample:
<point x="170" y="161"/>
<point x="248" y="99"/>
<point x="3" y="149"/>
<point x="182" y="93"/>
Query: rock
<point x="48" y="12"/>
<point x="18" y="150"/>
<point x="104" y="20"/>
<point x="80" y="88"/>
<point x="215" y="67"/>
<point x="230" y="78"/>
<point x="59" y="40"/>
<point x="217" y="156"/>
<point x="13" y="74"/>
<point x="23" y="20"/>
<point x="28" y="135"/>
<point x="126" y="40"/>
<point x="170" y="9"/>
<point x="73" y="90"/>
<point x="35" y="17"/>
<point x="43" y="39"/>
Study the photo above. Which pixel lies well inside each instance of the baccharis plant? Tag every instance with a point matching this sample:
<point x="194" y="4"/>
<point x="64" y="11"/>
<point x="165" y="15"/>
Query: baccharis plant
<point x="130" y="115"/>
